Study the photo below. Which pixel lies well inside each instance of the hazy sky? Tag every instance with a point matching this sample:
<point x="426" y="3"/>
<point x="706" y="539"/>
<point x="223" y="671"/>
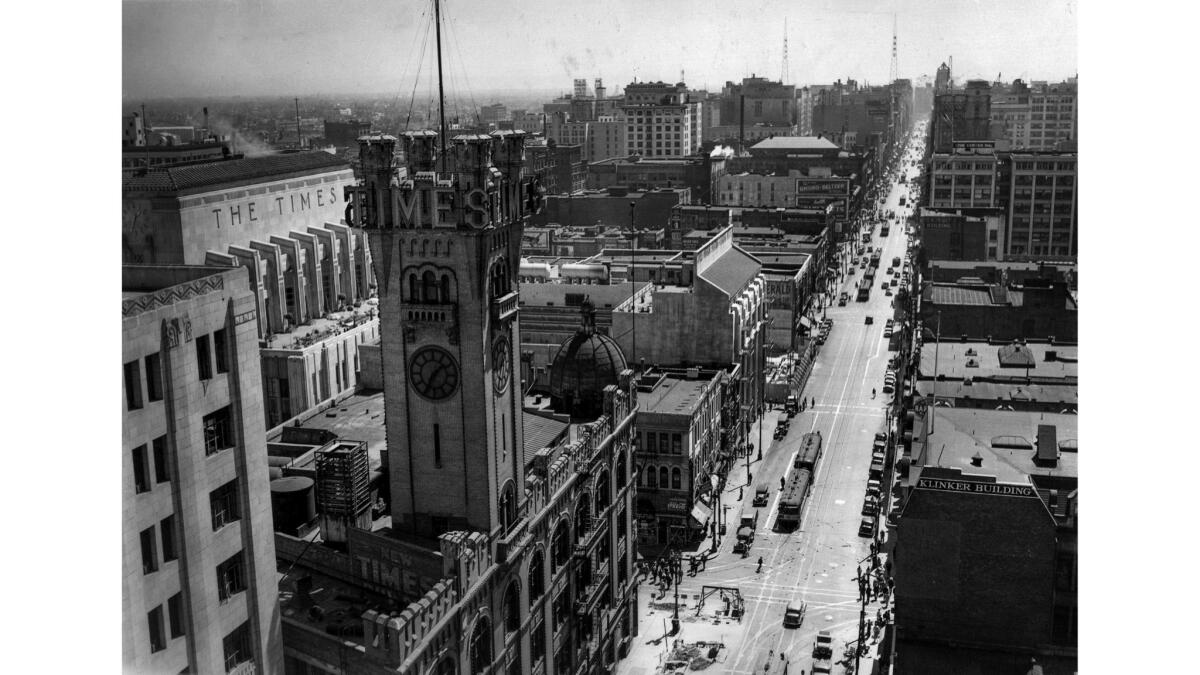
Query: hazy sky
<point x="248" y="47"/>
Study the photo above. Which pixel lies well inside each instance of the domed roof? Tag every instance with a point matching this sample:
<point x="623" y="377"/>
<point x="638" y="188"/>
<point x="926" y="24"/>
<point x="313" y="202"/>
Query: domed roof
<point x="585" y="364"/>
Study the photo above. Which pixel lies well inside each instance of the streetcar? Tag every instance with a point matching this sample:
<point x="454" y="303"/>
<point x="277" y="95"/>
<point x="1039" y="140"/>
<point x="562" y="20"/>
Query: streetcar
<point x="792" y="501"/>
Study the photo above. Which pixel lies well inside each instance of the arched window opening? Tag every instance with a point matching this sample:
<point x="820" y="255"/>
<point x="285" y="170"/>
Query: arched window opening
<point x="429" y="287"/>
<point x="676" y="476"/>
<point x="481" y="645"/>
<point x="512" y="608"/>
<point x="536" y="579"/>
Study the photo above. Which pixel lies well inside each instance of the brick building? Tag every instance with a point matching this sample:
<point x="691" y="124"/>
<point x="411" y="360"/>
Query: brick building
<point x="1037" y="309"/>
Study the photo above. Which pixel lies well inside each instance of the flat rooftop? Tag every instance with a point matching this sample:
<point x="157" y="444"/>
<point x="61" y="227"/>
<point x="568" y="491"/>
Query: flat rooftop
<point x="809" y="143"/>
<point x="960" y="433"/>
<point x="357" y="418"/>
<point x="673" y="396"/>
<point x="953" y="357"/>
<point x="329" y="603"/>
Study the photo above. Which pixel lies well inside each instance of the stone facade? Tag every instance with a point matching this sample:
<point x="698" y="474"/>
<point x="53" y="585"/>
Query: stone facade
<point x="198" y="562"/>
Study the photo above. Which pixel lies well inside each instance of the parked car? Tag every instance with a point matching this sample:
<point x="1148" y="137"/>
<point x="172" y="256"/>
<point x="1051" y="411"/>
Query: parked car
<point x="866" y="527"/>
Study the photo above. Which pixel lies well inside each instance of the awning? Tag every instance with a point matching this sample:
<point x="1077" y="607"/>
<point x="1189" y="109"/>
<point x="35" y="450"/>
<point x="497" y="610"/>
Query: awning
<point x="806" y="322"/>
<point x="700" y="513"/>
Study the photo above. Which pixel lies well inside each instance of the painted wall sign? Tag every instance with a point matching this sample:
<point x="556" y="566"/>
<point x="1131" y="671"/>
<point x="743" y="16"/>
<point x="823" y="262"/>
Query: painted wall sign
<point x="999" y="489"/>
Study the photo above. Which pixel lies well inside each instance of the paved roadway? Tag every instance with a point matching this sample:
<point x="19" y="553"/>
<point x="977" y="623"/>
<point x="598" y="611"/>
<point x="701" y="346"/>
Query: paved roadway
<point x="817" y="563"/>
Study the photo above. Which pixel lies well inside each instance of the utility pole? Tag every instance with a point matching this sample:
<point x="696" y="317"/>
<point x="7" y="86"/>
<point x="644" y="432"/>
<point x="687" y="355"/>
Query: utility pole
<point x="299" y="138"/>
<point x="633" y="276"/>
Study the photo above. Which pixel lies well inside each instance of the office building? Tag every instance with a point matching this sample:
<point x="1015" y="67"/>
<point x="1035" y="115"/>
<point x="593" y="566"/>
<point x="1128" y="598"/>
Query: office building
<point x="198" y="585"/>
<point x="1040" y="193"/>
<point x="661" y="120"/>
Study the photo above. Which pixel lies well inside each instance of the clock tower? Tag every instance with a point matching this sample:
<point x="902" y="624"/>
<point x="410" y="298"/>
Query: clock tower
<point x="445" y="234"/>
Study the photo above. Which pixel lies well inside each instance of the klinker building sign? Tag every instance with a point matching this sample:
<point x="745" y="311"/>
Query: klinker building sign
<point x="1000" y="489"/>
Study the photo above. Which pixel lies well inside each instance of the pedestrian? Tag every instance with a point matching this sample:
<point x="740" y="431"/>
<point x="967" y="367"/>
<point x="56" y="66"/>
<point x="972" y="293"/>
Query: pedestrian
<point x="760" y="562"/>
<point x="781" y="482"/>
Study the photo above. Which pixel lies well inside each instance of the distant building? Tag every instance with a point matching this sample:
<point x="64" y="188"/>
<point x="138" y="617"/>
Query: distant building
<point x="966" y="177"/>
<point x="345" y="134"/>
<point x="198" y="565"/>
<point x="490" y="114"/>
<point x="661" y="120"/>
<point x="142" y="157"/>
<point x="133" y="130"/>
<point x="1041" y="196"/>
<point x="696" y="172"/>
<point x="765" y="102"/>
<point x="614" y="207"/>
<point x="1039" y="117"/>
<point x="961" y="115"/>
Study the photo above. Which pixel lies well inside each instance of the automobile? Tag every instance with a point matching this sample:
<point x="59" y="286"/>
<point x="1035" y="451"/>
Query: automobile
<point x="873" y="488"/>
<point x="866" y="527"/>
<point x="888" y="388"/>
<point x="881" y="436"/>
<point x="888" y="292"/>
<point x="883" y="286"/>
<point x="869" y="320"/>
<point x="870" y="504"/>
<point x="761" y="493"/>
<point x="793" y="614"/>
<point x="887" y="332"/>
<point x="895" y="281"/>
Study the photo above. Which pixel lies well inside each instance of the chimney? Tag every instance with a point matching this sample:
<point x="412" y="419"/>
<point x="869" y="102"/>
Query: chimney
<point x="977" y="460"/>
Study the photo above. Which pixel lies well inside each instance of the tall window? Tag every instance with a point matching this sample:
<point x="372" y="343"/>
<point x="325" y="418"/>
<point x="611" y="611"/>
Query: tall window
<point x="133" y="385"/>
<point x="221" y="347"/>
<point x="154" y="618"/>
<point x="154" y="388"/>
<point x="437" y="446"/>
<point x="512" y="608"/>
<point x="536" y="581"/>
<point x="651" y="442"/>
<point x="204" y="357"/>
<point x="676" y="481"/>
<point x="149" y="551"/>
<point x="218" y="431"/>
<point x="676" y="444"/>
<point x="481" y="645"/>
<point x="651" y="477"/>
<point x="237" y="646"/>
<point x="223" y="503"/>
<point x="166" y="528"/>
<point x="162" y="470"/>
<point x="662" y="476"/>
<point x="231" y="577"/>
<point x="175" y="615"/>
<point x="141" y="472"/>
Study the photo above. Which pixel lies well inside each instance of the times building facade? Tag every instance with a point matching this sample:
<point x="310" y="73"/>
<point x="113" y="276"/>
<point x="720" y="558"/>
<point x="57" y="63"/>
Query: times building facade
<point x="535" y="551"/>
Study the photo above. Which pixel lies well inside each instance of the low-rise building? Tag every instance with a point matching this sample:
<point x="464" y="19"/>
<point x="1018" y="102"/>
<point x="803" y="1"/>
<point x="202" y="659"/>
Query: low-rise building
<point x="1037" y="309"/>
<point x="682" y="459"/>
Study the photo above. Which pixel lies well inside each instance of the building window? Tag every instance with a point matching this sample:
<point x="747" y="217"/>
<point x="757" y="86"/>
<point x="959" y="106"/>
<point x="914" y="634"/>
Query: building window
<point x="676" y="444"/>
<point x="217" y="431"/>
<point x="162" y="473"/>
<point x="651" y="442"/>
<point x="221" y="347"/>
<point x="676" y="479"/>
<point x="237" y="646"/>
<point x="166" y="528"/>
<point x="651" y="477"/>
<point x="141" y="472"/>
<point x="149" y="551"/>
<point x="223" y="504"/>
<point x="133" y="385"/>
<point x="231" y="577"/>
<point x="664" y="444"/>
<point x="158" y="641"/>
<point x="154" y="389"/>
<point x="662" y="476"/>
<point x="437" y="446"/>
<point x="175" y="615"/>
<point x="204" y="357"/>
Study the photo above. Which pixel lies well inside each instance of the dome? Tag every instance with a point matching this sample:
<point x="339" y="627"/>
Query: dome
<point x="585" y="364"/>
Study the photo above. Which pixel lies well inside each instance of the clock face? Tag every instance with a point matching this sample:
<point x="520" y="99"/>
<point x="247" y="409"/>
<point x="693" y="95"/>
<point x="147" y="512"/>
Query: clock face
<point x="501" y="365"/>
<point x="433" y="373"/>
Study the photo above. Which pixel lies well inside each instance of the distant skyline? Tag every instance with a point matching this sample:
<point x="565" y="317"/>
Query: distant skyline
<point x="184" y="48"/>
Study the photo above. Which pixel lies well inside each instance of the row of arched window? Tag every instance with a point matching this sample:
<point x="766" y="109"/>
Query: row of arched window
<point x="429" y="287"/>
<point x="662" y="477"/>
